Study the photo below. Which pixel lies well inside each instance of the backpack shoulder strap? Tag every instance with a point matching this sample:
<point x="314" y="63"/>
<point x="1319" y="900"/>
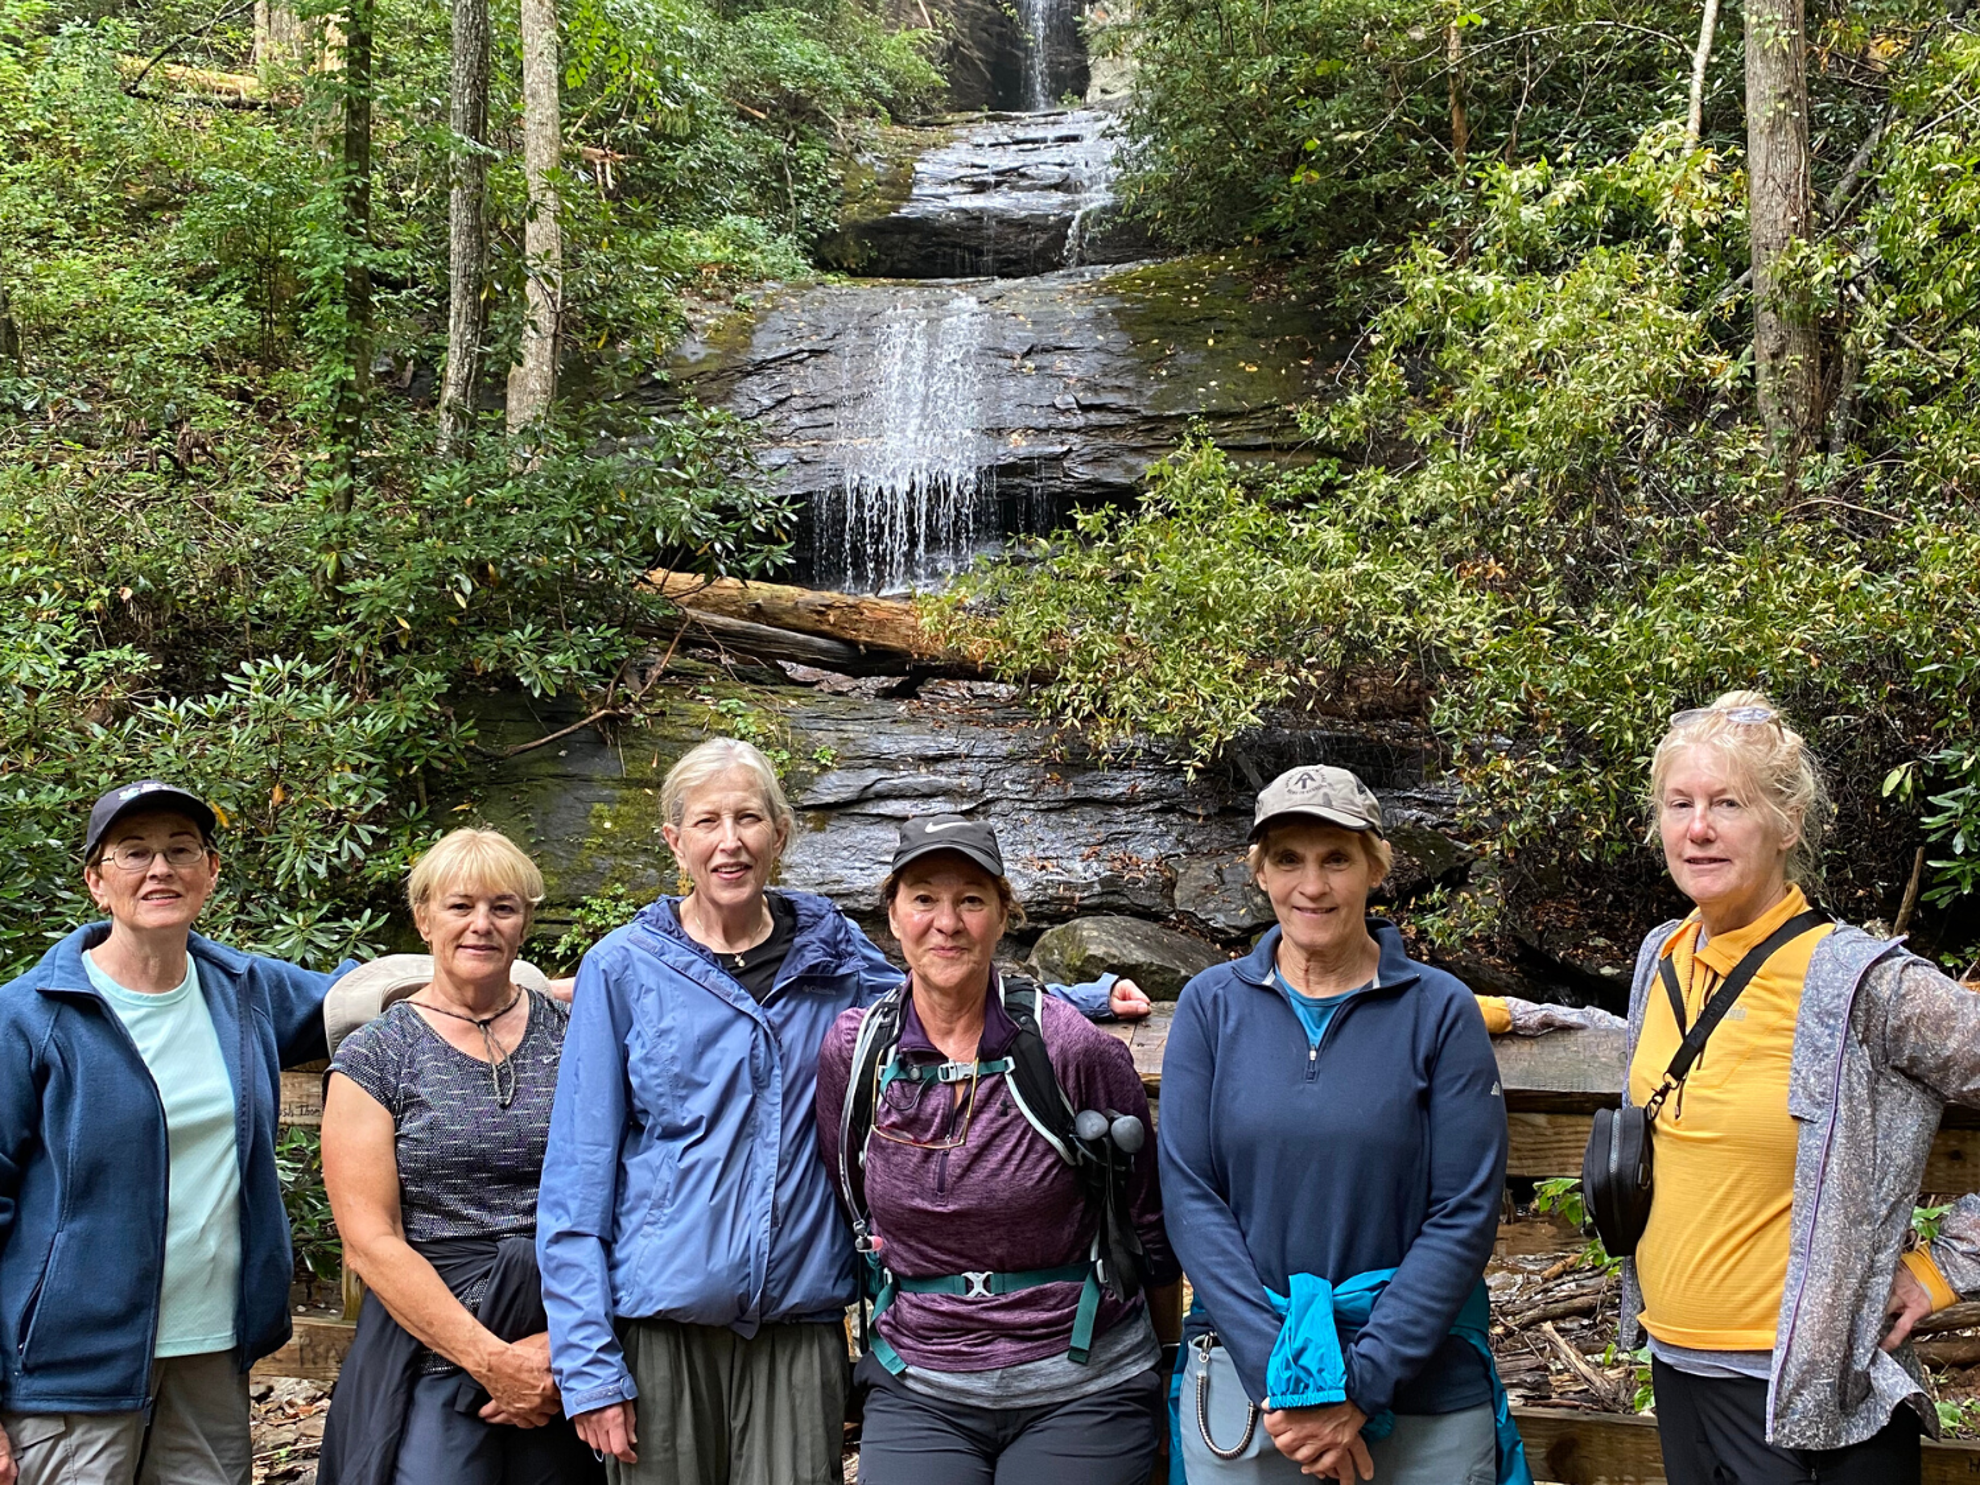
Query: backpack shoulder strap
<point x="1033" y="1081"/>
<point x="879" y="1034"/>
<point x="1736" y="981"/>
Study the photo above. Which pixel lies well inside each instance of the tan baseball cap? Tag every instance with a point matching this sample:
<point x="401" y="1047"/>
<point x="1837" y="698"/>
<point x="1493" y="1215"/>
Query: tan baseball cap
<point x="1321" y="793"/>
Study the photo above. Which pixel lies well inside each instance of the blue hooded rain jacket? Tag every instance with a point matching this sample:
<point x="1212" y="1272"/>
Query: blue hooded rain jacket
<point x="683" y="1180"/>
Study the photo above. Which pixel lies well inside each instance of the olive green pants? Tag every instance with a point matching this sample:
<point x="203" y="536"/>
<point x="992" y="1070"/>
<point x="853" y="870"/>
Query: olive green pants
<point x="715" y="1409"/>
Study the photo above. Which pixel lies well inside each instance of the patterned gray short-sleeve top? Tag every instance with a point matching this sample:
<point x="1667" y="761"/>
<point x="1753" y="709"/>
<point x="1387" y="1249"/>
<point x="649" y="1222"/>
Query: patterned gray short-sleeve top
<point x="467" y="1166"/>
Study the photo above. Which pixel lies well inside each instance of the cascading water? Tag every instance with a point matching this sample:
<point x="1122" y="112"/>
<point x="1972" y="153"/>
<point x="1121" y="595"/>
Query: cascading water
<point x="919" y="393"/>
<point x="908" y="505"/>
<point x="926" y="393"/>
<point x="1037" y="17"/>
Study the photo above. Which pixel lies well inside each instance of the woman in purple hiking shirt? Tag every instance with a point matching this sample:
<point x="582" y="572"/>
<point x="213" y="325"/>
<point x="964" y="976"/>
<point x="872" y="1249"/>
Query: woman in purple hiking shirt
<point x="985" y="1390"/>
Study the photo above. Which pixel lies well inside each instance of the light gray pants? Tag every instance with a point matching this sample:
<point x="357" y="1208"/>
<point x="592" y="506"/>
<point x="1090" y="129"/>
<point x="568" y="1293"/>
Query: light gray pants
<point x="195" y="1433"/>
<point x="715" y="1409"/>
<point x="1460" y="1448"/>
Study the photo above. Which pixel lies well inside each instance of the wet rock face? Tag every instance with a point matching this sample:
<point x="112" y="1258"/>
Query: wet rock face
<point x="1159" y="960"/>
<point x="1017" y="195"/>
<point x="1218" y="893"/>
<point x="1077" y="840"/>
<point x="1004" y="53"/>
<point x="927" y="421"/>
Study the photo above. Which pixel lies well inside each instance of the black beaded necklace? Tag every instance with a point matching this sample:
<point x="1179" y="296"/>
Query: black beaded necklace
<point x="499" y="1062"/>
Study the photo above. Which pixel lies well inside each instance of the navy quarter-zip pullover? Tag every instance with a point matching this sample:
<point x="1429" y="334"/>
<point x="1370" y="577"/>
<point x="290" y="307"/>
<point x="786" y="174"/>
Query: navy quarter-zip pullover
<point x="1383" y="1146"/>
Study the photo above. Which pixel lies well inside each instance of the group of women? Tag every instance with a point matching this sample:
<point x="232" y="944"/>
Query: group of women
<point x="614" y="1229"/>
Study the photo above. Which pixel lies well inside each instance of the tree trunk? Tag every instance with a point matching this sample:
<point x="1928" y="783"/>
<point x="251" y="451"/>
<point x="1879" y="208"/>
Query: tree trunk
<point x="354" y="374"/>
<point x="281" y="37"/>
<point x="887" y="624"/>
<point x="845" y="632"/>
<point x="10" y="334"/>
<point x="467" y="220"/>
<point x="1780" y="205"/>
<point x="533" y="380"/>
<point x="1694" y="119"/>
<point x="1460" y="123"/>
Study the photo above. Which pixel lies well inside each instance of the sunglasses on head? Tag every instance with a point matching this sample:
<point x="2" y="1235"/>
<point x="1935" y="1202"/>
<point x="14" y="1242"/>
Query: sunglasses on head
<point x="1751" y="716"/>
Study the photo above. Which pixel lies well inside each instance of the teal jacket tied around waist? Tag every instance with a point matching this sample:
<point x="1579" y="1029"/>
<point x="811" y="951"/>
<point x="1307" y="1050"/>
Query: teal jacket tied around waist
<point x="1308" y="1370"/>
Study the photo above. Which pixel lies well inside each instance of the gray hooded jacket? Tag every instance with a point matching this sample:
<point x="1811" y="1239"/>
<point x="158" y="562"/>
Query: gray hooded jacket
<point x="1882" y="1043"/>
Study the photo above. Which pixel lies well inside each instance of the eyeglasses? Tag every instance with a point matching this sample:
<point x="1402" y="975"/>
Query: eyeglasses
<point x="130" y="857"/>
<point x="942" y="1078"/>
<point x="1750" y="716"/>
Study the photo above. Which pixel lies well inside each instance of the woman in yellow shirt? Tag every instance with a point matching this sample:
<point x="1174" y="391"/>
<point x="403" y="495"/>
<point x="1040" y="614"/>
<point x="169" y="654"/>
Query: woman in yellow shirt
<point x="1777" y="1276"/>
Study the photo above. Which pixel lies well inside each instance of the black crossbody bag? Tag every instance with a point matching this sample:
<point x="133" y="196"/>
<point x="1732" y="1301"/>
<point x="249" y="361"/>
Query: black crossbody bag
<point x="1616" y="1167"/>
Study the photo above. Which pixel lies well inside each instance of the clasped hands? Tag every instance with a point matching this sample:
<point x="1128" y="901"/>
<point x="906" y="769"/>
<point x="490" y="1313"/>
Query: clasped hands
<point x="1324" y="1442"/>
<point x="521" y="1391"/>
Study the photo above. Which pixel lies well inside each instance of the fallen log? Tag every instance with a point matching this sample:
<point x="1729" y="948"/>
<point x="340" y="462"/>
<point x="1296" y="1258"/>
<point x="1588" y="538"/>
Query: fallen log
<point x="1952" y="1350"/>
<point x="753" y="641"/>
<point x="1963" y="1316"/>
<point x="883" y="629"/>
<point x="198" y="85"/>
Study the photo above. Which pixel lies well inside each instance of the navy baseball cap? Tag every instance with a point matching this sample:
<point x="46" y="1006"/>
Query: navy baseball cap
<point x="972" y="838"/>
<point x="144" y="797"/>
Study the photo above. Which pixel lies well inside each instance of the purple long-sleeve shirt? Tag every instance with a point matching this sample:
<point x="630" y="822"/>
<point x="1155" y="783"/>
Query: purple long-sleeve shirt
<point x="1001" y="1200"/>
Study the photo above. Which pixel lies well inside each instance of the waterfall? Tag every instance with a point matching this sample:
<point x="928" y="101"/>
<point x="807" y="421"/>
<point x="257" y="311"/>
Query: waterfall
<point x="1037" y="17"/>
<point x="910" y="501"/>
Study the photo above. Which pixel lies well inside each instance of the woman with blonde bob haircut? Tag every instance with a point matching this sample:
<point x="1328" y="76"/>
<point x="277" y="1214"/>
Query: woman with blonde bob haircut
<point x="696" y="1268"/>
<point x="434" y="1130"/>
<point x="1777" y="1275"/>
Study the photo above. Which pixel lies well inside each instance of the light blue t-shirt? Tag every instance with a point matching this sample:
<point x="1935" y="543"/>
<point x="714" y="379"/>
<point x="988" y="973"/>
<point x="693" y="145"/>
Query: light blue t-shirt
<point x="1315" y="1011"/>
<point x="175" y="1036"/>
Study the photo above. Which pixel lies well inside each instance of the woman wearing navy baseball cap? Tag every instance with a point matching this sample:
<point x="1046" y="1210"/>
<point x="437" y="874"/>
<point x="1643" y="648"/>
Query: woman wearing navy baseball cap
<point x="144" y="1249"/>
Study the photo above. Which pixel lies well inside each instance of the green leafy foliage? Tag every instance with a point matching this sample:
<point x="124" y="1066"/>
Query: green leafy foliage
<point x="1544" y="518"/>
<point x="1953" y="823"/>
<point x="147" y="633"/>
<point x="299" y="1167"/>
<point x="1560" y="1196"/>
<point x="1325" y="125"/>
<point x="593" y="918"/>
<point x="1925" y="1220"/>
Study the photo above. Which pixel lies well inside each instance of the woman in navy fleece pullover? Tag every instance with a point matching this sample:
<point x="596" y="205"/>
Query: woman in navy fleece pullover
<point x="1331" y="1107"/>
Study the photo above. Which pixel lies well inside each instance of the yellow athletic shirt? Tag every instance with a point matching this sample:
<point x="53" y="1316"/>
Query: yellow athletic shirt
<point x="1713" y="1259"/>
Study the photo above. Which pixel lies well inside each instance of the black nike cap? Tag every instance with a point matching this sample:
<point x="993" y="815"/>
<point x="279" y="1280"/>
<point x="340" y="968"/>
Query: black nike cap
<point x="971" y="838"/>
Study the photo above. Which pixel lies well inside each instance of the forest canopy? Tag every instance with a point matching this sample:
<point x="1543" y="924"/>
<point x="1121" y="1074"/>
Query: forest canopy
<point x="206" y="571"/>
<point x="1543" y="508"/>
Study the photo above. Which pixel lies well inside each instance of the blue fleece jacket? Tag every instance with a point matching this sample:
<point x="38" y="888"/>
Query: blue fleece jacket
<point x="83" y="1165"/>
<point x="1383" y="1147"/>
